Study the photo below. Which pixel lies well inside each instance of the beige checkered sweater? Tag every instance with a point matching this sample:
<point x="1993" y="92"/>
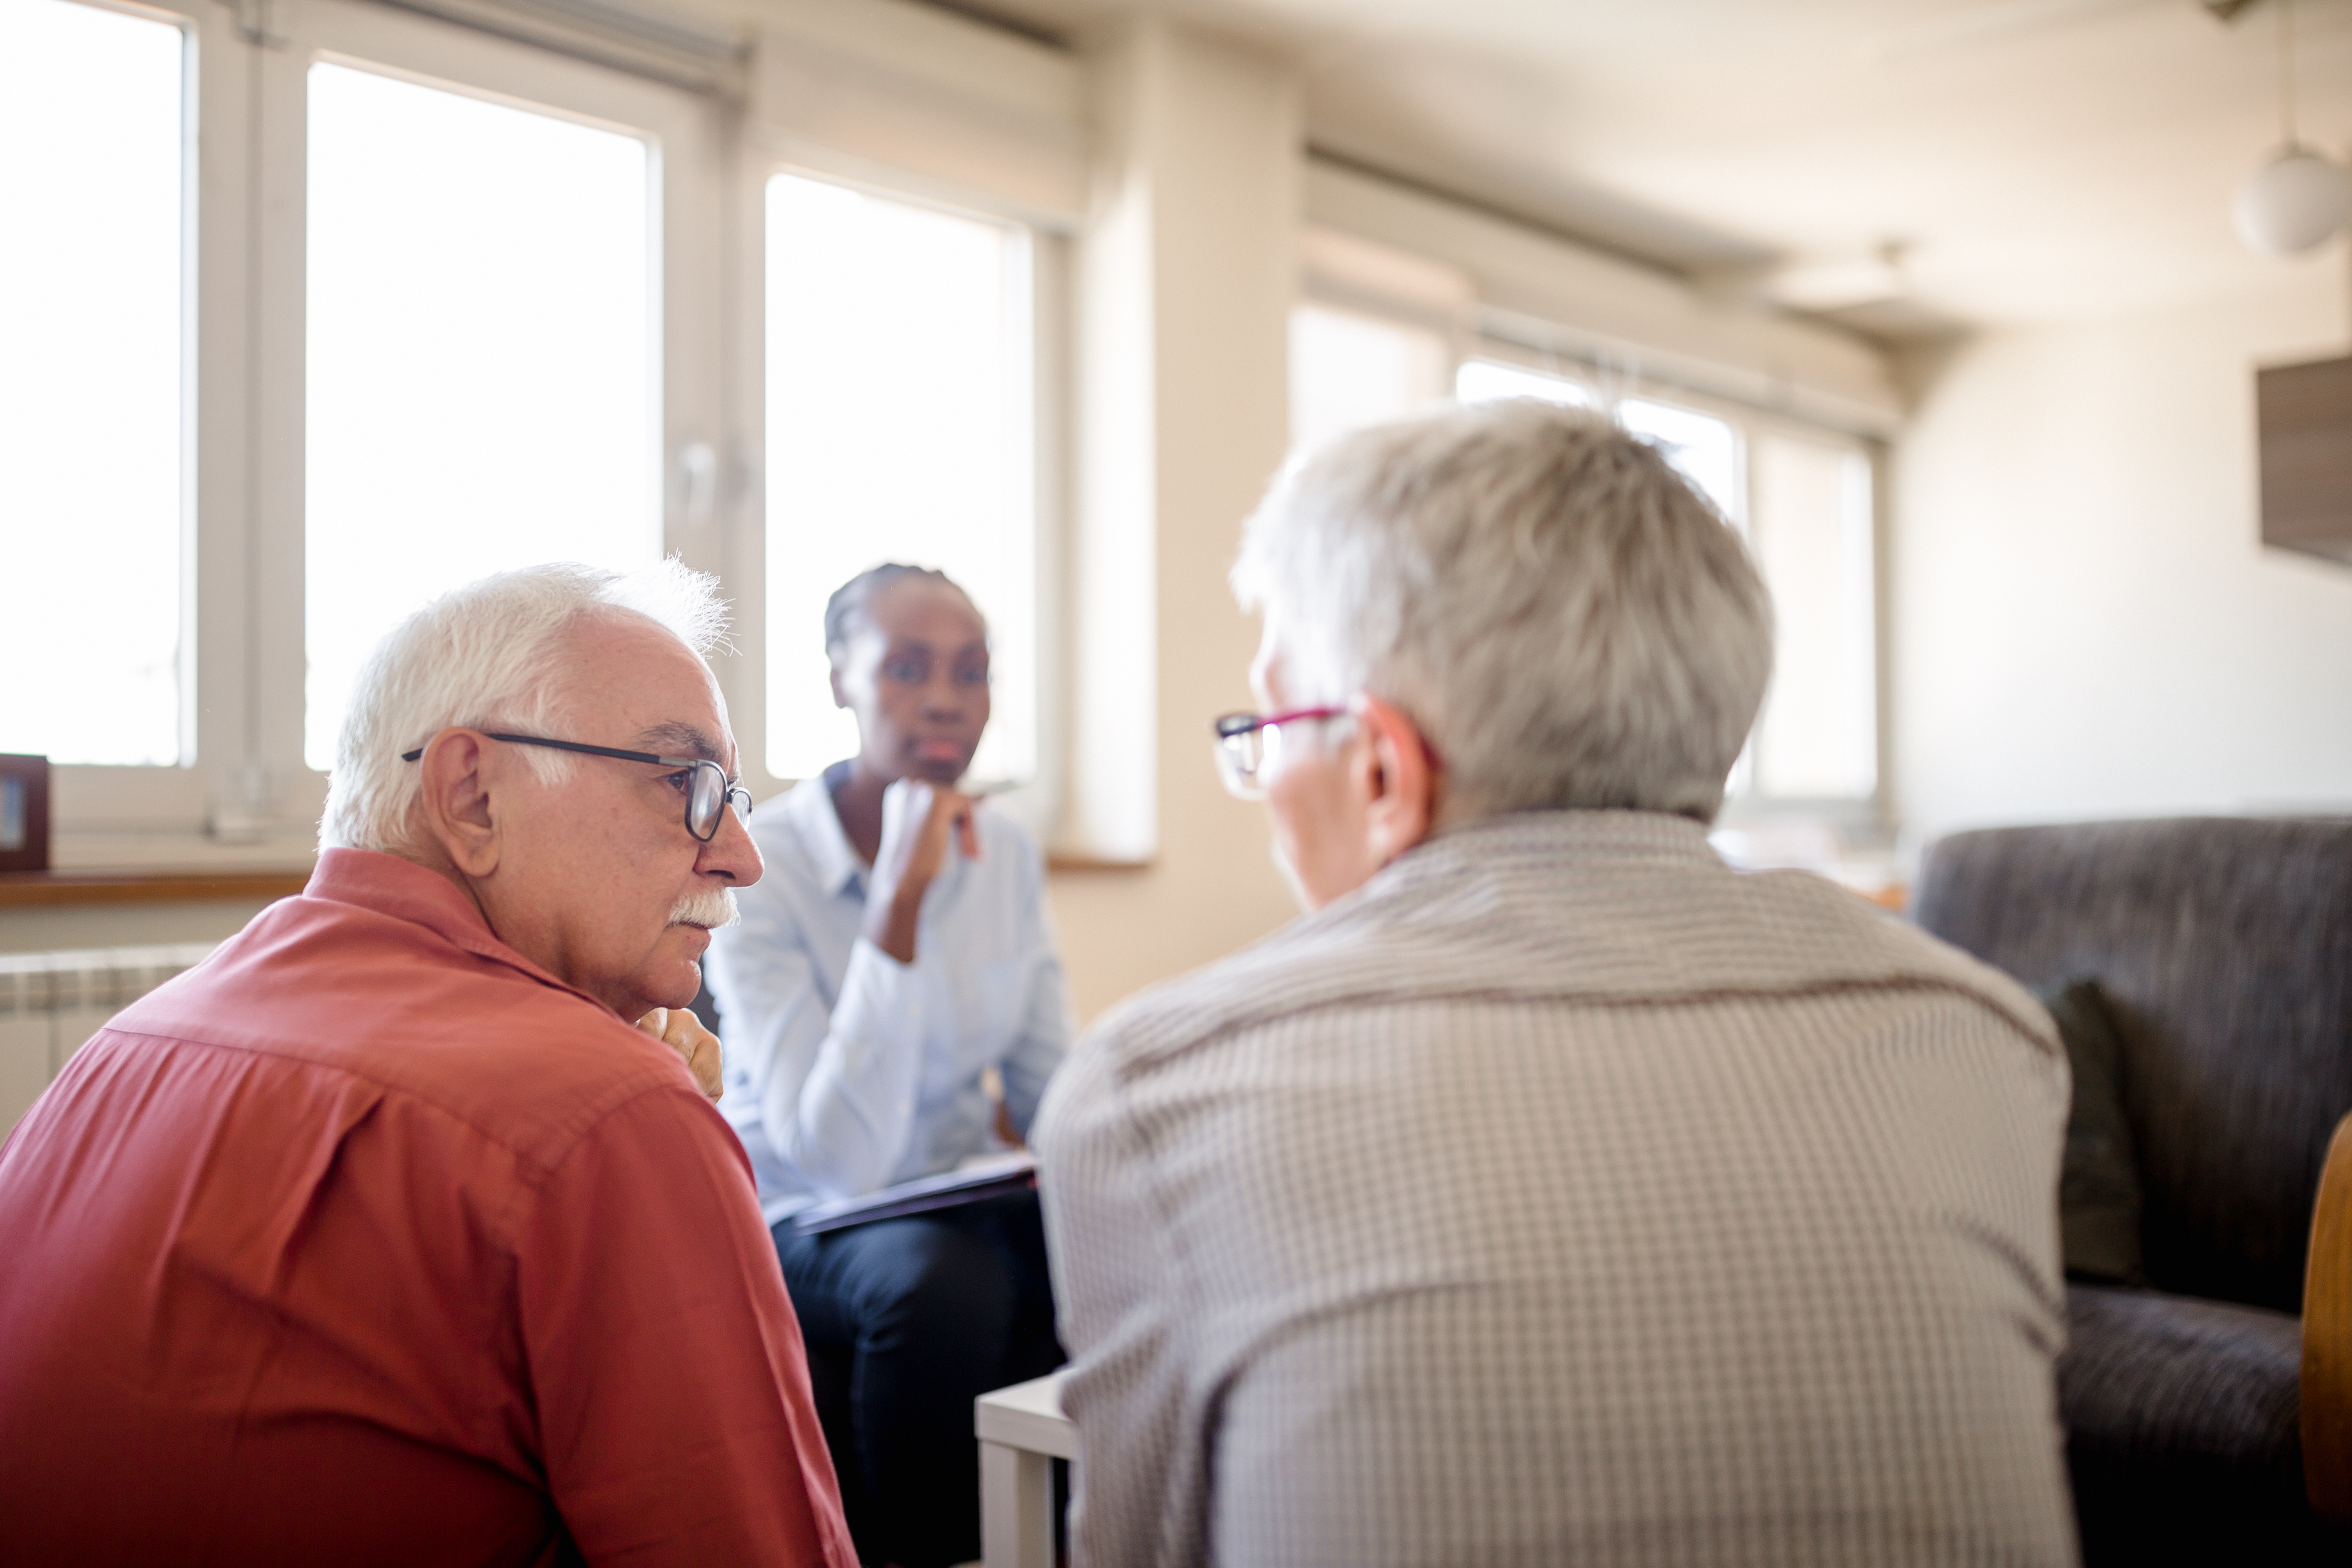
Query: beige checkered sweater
<point x="1564" y="1197"/>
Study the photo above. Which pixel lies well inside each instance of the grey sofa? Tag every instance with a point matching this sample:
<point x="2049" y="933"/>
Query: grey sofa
<point x="2224" y="947"/>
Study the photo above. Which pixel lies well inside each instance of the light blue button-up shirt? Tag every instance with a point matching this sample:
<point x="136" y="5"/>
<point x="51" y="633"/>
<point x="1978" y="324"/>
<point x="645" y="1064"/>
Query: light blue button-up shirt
<point x="846" y="1070"/>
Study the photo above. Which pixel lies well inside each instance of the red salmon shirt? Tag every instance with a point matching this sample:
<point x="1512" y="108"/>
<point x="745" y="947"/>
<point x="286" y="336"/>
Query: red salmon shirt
<point x="369" y="1241"/>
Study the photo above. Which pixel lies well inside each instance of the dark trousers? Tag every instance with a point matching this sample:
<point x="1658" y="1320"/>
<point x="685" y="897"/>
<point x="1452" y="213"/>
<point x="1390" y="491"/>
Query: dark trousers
<point x="908" y="1322"/>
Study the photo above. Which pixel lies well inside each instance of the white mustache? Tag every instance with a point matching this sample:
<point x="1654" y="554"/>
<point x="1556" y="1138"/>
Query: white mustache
<point x="710" y="909"/>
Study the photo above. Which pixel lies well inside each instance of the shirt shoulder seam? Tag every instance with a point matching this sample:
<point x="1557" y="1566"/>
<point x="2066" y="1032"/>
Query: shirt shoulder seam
<point x="544" y="1164"/>
<point x="1133" y="1032"/>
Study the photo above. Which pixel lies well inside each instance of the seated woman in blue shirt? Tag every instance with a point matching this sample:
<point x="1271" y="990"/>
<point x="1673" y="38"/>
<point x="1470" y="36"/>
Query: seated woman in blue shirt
<point x="896" y="949"/>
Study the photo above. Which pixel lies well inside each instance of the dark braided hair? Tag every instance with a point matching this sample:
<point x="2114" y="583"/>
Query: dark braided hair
<point x="849" y="601"/>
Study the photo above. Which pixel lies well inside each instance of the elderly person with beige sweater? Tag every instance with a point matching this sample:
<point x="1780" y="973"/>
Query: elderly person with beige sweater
<point x="1549" y="1193"/>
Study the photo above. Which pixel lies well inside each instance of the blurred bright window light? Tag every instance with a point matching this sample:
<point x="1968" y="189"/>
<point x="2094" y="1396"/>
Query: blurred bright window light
<point x="899" y="428"/>
<point x="1350" y="369"/>
<point x="481" y="358"/>
<point x="93" y="369"/>
<point x="1484" y="381"/>
<point x="1704" y="449"/>
<point x="1810" y="528"/>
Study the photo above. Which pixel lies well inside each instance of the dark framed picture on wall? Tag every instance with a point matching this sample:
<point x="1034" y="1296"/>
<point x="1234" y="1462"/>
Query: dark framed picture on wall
<point x="24" y="812"/>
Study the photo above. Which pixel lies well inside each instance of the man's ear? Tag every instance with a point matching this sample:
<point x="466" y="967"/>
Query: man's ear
<point x="456" y="801"/>
<point x="840" y="698"/>
<point x="1398" y="777"/>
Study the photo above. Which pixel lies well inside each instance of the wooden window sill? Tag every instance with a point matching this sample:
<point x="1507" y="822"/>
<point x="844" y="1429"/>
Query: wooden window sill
<point x="1056" y="860"/>
<point x="35" y="890"/>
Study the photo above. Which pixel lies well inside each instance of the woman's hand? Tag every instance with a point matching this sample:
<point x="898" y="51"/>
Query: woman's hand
<point x="914" y="852"/>
<point x="680" y="1029"/>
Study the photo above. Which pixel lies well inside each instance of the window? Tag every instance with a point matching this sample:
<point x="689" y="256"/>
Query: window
<point x="93" y="461"/>
<point x="481" y="344"/>
<point x="900" y="389"/>
<point x="444" y="306"/>
<point x="454" y="301"/>
<point x="1704" y="449"/>
<point x="1811" y="529"/>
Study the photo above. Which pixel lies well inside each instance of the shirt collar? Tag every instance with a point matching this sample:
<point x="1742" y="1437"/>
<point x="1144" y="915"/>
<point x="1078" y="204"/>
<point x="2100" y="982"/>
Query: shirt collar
<point x="406" y="891"/>
<point x="1565" y="836"/>
<point x="809" y="809"/>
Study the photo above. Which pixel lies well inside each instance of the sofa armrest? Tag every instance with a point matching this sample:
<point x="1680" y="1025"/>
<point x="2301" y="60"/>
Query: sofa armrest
<point x="2328" y="1338"/>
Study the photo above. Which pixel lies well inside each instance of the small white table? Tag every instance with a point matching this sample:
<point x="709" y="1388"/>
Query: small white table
<point x="1021" y="1432"/>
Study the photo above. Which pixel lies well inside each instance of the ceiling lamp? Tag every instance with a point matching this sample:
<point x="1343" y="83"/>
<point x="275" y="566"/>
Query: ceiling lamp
<point x="2300" y="197"/>
<point x="2292" y="203"/>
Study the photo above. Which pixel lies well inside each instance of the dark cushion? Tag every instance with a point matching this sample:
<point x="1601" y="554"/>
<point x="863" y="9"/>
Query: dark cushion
<point x="2224" y="947"/>
<point x="2181" y="1430"/>
<point x="2098" y="1186"/>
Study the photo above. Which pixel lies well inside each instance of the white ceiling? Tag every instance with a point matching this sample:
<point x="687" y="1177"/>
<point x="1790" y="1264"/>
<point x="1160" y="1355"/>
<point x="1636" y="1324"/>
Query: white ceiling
<point x="2035" y="159"/>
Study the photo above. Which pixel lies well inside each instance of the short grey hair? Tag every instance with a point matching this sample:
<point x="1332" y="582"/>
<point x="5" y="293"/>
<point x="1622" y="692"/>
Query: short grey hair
<point x="488" y="656"/>
<point x="1570" y="623"/>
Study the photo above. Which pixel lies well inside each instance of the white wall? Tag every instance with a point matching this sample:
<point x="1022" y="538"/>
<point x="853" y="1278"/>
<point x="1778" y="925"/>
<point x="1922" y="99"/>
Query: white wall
<point x="48" y="929"/>
<point x="1189" y="270"/>
<point x="2083" y="622"/>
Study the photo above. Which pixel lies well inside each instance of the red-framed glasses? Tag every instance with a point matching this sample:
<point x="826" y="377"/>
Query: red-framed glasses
<point x="1247" y="745"/>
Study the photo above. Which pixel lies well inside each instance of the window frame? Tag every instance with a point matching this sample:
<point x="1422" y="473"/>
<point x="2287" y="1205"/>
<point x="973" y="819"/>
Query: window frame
<point x="242" y="794"/>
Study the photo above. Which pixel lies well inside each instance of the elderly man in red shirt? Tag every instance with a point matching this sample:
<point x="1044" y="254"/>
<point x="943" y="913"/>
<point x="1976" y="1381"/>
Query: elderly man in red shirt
<point x="381" y="1235"/>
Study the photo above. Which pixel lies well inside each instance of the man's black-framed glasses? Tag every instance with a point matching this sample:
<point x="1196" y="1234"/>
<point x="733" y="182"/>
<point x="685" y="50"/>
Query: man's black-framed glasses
<point x="709" y="790"/>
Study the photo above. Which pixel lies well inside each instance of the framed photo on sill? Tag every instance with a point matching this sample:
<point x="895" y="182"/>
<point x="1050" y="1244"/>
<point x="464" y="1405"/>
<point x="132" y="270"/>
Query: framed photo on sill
<point x="24" y="812"/>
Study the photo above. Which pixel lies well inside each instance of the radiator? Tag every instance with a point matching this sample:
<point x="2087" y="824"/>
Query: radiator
<point x="50" y="1003"/>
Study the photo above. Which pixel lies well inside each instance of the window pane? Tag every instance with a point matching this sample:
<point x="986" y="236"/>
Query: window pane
<point x="1812" y="534"/>
<point x="90" y="376"/>
<point x="899" y="429"/>
<point x="481" y="358"/>
<point x="1484" y="381"/>
<point x="1704" y="449"/>
<point x="1347" y="370"/>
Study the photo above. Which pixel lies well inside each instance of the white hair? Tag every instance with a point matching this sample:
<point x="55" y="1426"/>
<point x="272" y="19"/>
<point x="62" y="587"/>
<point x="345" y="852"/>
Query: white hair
<point x="1568" y="621"/>
<point x="488" y="656"/>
